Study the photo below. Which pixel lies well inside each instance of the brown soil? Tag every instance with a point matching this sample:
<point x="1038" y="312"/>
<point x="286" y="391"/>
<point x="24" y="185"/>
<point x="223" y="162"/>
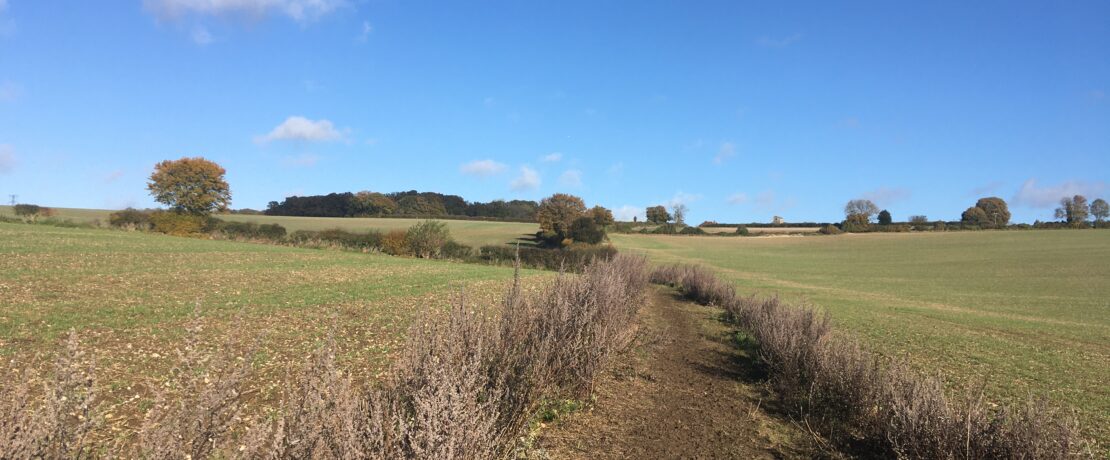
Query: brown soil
<point x="685" y="390"/>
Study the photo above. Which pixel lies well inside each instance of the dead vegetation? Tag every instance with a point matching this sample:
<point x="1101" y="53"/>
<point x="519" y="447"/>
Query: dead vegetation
<point x="466" y="386"/>
<point x="861" y="403"/>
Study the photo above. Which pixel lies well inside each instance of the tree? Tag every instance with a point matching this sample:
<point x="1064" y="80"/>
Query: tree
<point x="658" y="215"/>
<point x="190" y="186"/>
<point x="426" y="239"/>
<point x="586" y="230"/>
<point x="1100" y="211"/>
<point x="863" y="208"/>
<point x="557" y="212"/>
<point x="680" y="214"/>
<point x="372" y="204"/>
<point x="975" y="216"/>
<point x="884" y="217"/>
<point x="998" y="214"/>
<point x="419" y="205"/>
<point x="1073" y="209"/>
<point x="602" y="216"/>
<point x="919" y="220"/>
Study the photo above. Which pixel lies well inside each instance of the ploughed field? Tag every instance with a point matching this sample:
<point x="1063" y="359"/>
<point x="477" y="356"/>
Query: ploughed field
<point x="470" y="232"/>
<point x="131" y="295"/>
<point x="1017" y="313"/>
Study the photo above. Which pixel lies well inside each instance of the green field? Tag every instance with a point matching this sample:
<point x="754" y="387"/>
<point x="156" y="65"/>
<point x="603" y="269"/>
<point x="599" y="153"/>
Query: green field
<point x="130" y="294"/>
<point x="1023" y="312"/>
<point x="470" y="232"/>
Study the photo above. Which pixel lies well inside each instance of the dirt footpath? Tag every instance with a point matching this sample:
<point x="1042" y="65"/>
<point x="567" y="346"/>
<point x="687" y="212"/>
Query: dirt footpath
<point x="683" y="391"/>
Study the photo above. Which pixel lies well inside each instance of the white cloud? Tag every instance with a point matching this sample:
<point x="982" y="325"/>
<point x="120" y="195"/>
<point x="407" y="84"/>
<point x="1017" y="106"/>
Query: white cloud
<point x="1035" y="196"/>
<point x="9" y="91"/>
<point x="298" y="128"/>
<point x="302" y="161"/>
<point x="739" y="198"/>
<point x="364" y="34"/>
<point x="298" y="10"/>
<point x="552" y="157"/>
<point x="571" y="178"/>
<point x="528" y="179"/>
<point x="201" y="36"/>
<point x="773" y="42"/>
<point x="626" y="213"/>
<point x="886" y="196"/>
<point x="727" y="150"/>
<point x="483" y="168"/>
<point x="7" y="159"/>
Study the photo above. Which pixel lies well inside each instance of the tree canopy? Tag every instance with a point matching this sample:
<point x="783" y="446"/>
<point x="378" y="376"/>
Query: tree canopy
<point x="863" y="208"/>
<point x="658" y="215"/>
<point x="190" y="186"/>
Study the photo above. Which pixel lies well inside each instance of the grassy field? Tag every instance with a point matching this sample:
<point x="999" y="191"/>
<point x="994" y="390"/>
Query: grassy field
<point x="469" y="232"/>
<point x="129" y="296"/>
<point x="1022" y="312"/>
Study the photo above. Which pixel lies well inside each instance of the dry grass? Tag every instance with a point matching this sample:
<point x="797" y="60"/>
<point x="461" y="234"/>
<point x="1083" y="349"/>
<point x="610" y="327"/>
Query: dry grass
<point x="465" y="387"/>
<point x="861" y="402"/>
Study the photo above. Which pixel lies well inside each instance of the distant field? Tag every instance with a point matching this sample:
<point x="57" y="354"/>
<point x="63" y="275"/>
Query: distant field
<point x="470" y="232"/>
<point x="1026" y="312"/>
<point x="129" y="295"/>
<point x="769" y="231"/>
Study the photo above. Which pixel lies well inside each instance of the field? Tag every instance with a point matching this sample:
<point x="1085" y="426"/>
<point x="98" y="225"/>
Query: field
<point x="130" y="295"/>
<point x="472" y="233"/>
<point x="1024" y="313"/>
<point x="767" y="231"/>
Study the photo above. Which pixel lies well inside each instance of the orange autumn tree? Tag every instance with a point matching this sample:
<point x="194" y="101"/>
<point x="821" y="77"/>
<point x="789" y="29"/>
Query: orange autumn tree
<point x="190" y="186"/>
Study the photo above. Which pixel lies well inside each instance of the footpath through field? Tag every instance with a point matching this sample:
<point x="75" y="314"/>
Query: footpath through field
<point x="684" y="390"/>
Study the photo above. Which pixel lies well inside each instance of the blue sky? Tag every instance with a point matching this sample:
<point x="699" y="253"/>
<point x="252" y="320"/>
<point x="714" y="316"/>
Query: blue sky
<point x="741" y="110"/>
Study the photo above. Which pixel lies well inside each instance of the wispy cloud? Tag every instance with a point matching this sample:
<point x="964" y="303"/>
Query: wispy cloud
<point x="7" y="159"/>
<point x="298" y="10"/>
<point x="886" y="196"/>
<point x="304" y="160"/>
<point x="985" y="189"/>
<point x="10" y="91"/>
<point x="726" y="151"/>
<point x="681" y="197"/>
<point x="482" y="168"/>
<point x="1036" y="196"/>
<point x="364" y="33"/>
<point x="738" y="198"/>
<point x="552" y="157"/>
<point x="778" y="42"/>
<point x="297" y="128"/>
<point x="201" y="36"/>
<point x="528" y="179"/>
<point x="571" y="178"/>
<point x="7" y="25"/>
<point x="113" y="176"/>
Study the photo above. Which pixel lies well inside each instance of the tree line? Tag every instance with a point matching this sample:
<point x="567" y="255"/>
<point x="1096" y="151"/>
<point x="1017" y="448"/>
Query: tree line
<point x="987" y="213"/>
<point x="408" y="204"/>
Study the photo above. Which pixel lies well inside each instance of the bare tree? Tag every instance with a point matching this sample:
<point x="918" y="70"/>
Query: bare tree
<point x="1073" y="209"/>
<point x="863" y="208"/>
<point x="680" y="214"/>
<point x="1100" y="210"/>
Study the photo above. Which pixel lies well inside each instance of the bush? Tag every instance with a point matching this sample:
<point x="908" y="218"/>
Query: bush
<point x="394" y="243"/>
<point x="251" y="230"/>
<point x="172" y="223"/>
<point x="586" y="230"/>
<point x="456" y="251"/>
<point x="131" y="219"/>
<point x="853" y="397"/>
<point x="665" y="229"/>
<point x="829" y="229"/>
<point x="572" y="258"/>
<point x="742" y="231"/>
<point x="691" y="231"/>
<point x="426" y="239"/>
<point x="28" y="210"/>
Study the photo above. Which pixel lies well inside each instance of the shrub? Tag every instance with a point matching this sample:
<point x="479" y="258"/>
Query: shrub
<point x="172" y="223"/>
<point x="28" y="210"/>
<point x="691" y="231"/>
<point x="131" y="219"/>
<point x="426" y="239"/>
<point x="251" y="230"/>
<point x="742" y="231"/>
<point x="393" y="243"/>
<point x="856" y="223"/>
<point x="572" y="258"/>
<point x="851" y="395"/>
<point x="586" y="230"/>
<point x="884" y="217"/>
<point x="456" y="251"/>
<point x="829" y="229"/>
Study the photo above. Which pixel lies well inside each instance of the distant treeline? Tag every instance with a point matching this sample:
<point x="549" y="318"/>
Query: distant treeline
<point x="711" y="224"/>
<point x="402" y="204"/>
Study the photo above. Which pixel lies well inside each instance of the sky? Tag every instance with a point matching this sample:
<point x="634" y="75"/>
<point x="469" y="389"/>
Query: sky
<point x="739" y="110"/>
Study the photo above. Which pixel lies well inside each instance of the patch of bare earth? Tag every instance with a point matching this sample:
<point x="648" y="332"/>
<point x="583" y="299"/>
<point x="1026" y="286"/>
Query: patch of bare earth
<point x="684" y="390"/>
